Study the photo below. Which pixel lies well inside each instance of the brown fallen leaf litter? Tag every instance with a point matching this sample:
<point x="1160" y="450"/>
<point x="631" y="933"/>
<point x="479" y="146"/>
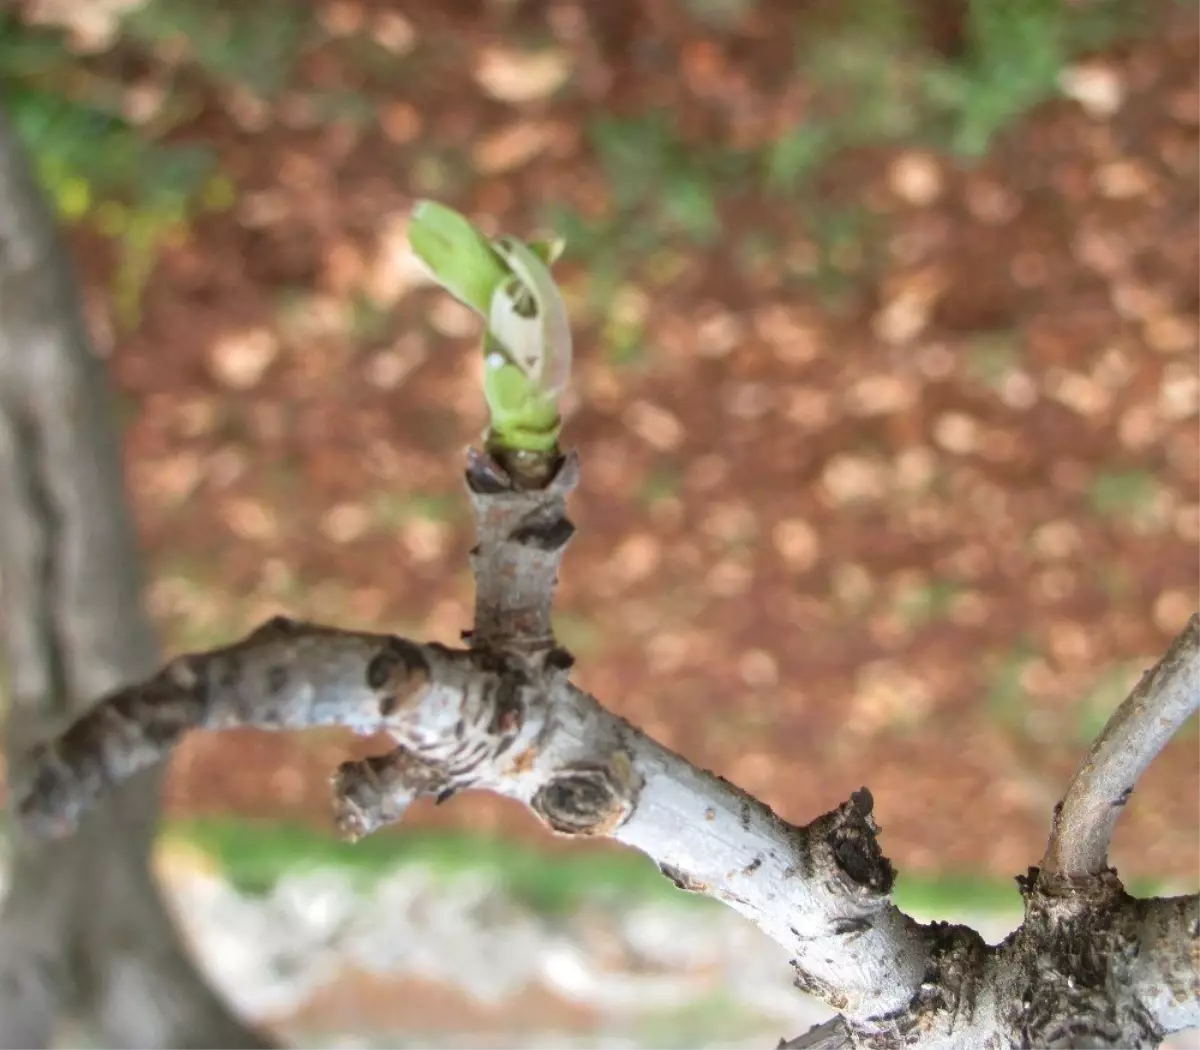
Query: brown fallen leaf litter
<point x="919" y="528"/>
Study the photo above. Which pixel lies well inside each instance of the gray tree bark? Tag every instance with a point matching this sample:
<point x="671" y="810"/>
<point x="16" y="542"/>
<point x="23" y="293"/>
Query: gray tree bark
<point x="85" y="936"/>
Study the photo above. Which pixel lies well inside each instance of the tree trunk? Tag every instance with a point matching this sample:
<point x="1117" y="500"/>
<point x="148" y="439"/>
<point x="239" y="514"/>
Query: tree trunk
<point x="84" y="932"/>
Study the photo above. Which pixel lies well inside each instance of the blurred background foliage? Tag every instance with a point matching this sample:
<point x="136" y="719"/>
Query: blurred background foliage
<point x="104" y="149"/>
<point x="107" y="154"/>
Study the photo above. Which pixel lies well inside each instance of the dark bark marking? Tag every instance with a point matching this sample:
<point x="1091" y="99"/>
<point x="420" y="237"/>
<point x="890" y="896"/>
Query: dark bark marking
<point x="545" y="535"/>
<point x="682" y="879"/>
<point x="559" y="659"/>
<point x="846" y="927"/>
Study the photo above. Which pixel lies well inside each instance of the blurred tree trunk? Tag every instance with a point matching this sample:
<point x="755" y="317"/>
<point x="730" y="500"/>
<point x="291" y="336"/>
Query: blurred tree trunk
<point x="84" y="933"/>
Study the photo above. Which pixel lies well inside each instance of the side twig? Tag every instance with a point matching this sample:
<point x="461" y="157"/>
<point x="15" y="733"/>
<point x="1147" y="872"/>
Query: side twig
<point x="1138" y="730"/>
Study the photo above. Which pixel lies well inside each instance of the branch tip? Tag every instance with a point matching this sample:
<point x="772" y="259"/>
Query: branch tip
<point x="851" y="833"/>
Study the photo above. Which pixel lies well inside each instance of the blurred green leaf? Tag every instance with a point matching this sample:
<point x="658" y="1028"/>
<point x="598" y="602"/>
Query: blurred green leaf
<point x="796" y="155"/>
<point x="459" y="257"/>
<point x="99" y="170"/>
<point x="252" y="44"/>
<point x="1015" y="52"/>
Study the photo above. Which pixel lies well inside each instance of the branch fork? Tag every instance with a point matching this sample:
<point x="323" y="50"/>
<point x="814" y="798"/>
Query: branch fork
<point x="1090" y="965"/>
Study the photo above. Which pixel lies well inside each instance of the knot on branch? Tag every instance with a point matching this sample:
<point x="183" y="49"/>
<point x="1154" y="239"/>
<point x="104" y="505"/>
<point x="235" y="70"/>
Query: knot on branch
<point x="1056" y="898"/>
<point x="952" y="981"/>
<point x="850" y="833"/>
<point x="589" y="799"/>
<point x="376" y="791"/>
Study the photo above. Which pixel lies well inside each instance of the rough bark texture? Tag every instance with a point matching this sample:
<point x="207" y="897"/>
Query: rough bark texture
<point x="84" y="933"/>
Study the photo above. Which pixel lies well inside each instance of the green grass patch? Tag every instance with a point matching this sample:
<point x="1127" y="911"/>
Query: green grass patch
<point x="950" y="892"/>
<point x="866" y="65"/>
<point x="963" y="893"/>
<point x="657" y="179"/>
<point x="253" y="45"/>
<point x="925" y="604"/>
<point x="879" y="80"/>
<point x="1014" y="52"/>
<point x="395" y="508"/>
<point x="1007" y="701"/>
<point x="663" y="190"/>
<point x="1123" y="495"/>
<point x="97" y="169"/>
<point x="253" y="855"/>
<point x="795" y="157"/>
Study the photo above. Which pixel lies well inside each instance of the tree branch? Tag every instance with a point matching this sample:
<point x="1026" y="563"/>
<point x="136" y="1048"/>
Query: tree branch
<point x="1166" y="971"/>
<point x="1138" y="730"/>
<point x="469" y="719"/>
<point x="829" y="1035"/>
<point x="284" y="675"/>
<point x="522" y="534"/>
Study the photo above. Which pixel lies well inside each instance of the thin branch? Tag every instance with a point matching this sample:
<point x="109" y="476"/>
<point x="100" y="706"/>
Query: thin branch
<point x="468" y="719"/>
<point x="522" y="536"/>
<point x="376" y="791"/>
<point x="1138" y="730"/>
<point x="284" y="675"/>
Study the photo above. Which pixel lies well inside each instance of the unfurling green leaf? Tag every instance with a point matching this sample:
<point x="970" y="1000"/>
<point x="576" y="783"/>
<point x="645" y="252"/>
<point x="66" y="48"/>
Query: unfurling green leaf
<point x="460" y="258"/>
<point x="527" y="340"/>
<point x="522" y="416"/>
